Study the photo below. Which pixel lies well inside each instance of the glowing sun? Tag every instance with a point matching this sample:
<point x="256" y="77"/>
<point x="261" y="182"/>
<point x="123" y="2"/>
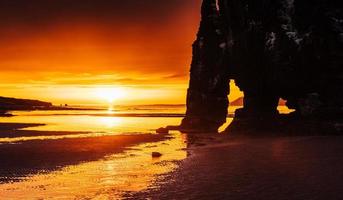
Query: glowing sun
<point x="110" y="94"/>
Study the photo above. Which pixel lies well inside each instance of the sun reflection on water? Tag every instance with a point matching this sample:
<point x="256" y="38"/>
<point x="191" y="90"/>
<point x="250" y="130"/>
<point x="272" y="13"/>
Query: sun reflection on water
<point x="111" y="122"/>
<point x="90" y="122"/>
<point x="109" y="178"/>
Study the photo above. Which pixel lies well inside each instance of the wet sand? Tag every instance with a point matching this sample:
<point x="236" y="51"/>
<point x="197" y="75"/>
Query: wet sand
<point x="6" y="127"/>
<point x="239" y="167"/>
<point x="21" y="159"/>
<point x="207" y="166"/>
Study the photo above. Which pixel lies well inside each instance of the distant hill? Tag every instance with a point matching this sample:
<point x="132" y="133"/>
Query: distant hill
<point x="7" y="103"/>
<point x="239" y="102"/>
<point x="282" y="102"/>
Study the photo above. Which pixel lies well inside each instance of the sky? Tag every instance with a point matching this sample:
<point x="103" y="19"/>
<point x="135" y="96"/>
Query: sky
<point x="93" y="51"/>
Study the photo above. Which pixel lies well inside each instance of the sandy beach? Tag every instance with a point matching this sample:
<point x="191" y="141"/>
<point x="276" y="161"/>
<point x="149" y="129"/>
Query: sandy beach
<point x="231" y="165"/>
<point x="39" y="164"/>
<point x="30" y="157"/>
<point x="226" y="167"/>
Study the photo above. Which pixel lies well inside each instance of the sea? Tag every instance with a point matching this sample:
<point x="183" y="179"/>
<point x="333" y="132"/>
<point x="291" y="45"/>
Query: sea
<point x="112" y="120"/>
<point x="110" y="177"/>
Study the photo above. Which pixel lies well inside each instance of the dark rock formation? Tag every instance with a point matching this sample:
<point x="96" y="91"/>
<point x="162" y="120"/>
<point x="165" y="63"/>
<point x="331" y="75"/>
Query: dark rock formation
<point x="288" y="49"/>
<point x="207" y="100"/>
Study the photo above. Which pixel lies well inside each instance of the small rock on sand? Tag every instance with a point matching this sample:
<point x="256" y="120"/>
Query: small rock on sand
<point x="162" y="130"/>
<point x="156" y="154"/>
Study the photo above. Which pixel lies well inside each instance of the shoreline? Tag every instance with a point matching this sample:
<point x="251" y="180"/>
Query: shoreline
<point x="216" y="166"/>
<point x="27" y="158"/>
<point x="15" y="126"/>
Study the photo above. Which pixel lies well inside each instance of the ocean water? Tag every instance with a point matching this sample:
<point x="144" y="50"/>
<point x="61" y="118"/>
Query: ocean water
<point x="112" y="121"/>
<point x="108" y="177"/>
<point x="100" y="121"/>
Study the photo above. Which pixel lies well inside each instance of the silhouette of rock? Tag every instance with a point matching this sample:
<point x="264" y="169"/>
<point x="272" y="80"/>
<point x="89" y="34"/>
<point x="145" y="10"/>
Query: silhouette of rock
<point x="162" y="130"/>
<point x="207" y="100"/>
<point x="272" y="49"/>
<point x="156" y="154"/>
<point x="10" y="104"/>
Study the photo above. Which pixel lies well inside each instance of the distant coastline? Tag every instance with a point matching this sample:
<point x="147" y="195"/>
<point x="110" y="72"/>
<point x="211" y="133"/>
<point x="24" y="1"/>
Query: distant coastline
<point x="8" y="104"/>
<point x="240" y="101"/>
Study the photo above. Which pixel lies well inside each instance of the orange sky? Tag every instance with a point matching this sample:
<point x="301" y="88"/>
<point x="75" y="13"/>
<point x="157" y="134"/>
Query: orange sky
<point x="54" y="51"/>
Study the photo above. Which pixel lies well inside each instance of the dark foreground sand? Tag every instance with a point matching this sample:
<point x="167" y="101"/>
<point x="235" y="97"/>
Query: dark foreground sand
<point x="224" y="167"/>
<point x="219" y="166"/>
<point x="20" y="159"/>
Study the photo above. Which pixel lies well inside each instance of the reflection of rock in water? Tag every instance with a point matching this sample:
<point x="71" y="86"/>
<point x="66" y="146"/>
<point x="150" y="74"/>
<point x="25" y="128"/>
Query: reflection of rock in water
<point x="272" y="49"/>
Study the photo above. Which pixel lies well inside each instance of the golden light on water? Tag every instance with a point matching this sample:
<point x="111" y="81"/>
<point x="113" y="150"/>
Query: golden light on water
<point x="108" y="178"/>
<point x="94" y="122"/>
<point x="111" y="122"/>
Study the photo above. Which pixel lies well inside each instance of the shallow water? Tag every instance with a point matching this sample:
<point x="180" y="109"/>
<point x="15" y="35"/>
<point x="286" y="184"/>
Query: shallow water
<point x="89" y="121"/>
<point x="107" y="178"/>
<point x="110" y="177"/>
<point x="107" y="121"/>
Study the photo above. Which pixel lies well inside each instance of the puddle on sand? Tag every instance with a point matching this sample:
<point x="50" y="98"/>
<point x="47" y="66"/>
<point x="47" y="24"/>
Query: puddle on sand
<point x="109" y="178"/>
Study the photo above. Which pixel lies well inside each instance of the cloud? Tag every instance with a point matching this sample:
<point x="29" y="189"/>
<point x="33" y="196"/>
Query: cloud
<point x="97" y="36"/>
<point x="89" y="79"/>
<point x="51" y="47"/>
